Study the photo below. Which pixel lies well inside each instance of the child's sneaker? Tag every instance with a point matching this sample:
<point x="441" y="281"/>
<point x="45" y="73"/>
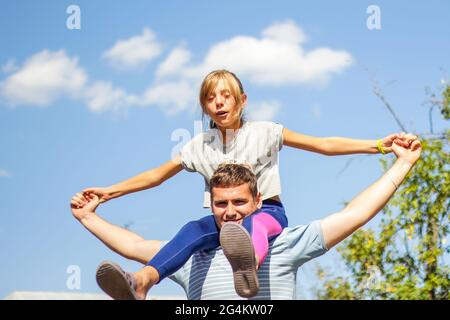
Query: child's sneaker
<point x="238" y="248"/>
<point x="115" y="282"/>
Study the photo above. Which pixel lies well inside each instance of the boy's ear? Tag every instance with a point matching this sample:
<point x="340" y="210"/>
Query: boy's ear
<point x="259" y="200"/>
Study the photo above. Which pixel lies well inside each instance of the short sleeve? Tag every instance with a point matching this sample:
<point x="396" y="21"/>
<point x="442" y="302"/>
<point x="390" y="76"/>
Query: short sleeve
<point x="277" y="136"/>
<point x="306" y="242"/>
<point x="187" y="156"/>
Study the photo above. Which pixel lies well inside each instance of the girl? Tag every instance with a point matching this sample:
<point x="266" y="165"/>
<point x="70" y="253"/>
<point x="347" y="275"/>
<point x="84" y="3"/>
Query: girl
<point x="230" y="138"/>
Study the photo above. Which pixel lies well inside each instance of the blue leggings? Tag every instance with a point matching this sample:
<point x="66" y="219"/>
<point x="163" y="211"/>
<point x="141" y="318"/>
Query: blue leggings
<point x="203" y="234"/>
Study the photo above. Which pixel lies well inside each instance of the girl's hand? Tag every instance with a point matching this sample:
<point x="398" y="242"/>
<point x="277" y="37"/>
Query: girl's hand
<point x="102" y="193"/>
<point x="410" y="154"/>
<point x="84" y="205"/>
<point x="402" y="139"/>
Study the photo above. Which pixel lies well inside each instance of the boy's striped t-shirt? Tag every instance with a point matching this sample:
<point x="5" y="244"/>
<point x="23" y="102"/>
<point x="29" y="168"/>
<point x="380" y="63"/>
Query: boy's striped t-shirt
<point x="208" y="275"/>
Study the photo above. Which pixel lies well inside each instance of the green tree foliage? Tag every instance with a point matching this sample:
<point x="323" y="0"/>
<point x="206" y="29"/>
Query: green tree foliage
<point x="445" y="106"/>
<point x="405" y="257"/>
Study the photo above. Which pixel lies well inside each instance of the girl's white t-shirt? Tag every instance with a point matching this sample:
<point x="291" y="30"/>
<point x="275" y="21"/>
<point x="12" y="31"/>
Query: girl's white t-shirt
<point x="256" y="143"/>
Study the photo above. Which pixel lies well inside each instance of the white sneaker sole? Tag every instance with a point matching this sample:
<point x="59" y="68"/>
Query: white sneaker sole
<point x="114" y="282"/>
<point x="238" y="248"/>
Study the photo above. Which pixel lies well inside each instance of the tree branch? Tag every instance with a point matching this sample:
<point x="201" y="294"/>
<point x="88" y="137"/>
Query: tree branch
<point x="377" y="92"/>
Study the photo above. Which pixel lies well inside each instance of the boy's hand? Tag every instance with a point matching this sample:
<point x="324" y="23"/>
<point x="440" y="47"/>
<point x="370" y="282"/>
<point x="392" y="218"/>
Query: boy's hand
<point x="83" y="205"/>
<point x="102" y="193"/>
<point x="410" y="154"/>
<point x="402" y="139"/>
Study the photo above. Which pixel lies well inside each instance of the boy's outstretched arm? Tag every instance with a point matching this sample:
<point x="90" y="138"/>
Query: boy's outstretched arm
<point x="120" y="240"/>
<point x="368" y="203"/>
<point x="332" y="146"/>
<point x="145" y="180"/>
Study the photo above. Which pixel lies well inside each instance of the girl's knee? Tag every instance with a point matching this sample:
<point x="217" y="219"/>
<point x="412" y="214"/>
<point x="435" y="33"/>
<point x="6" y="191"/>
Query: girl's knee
<point x="200" y="226"/>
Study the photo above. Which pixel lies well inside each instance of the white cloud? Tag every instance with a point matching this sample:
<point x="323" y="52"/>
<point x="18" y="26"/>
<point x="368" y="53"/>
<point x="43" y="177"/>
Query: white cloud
<point x="5" y="173"/>
<point x="47" y="75"/>
<point x="263" y="111"/>
<point x="43" y="78"/>
<point x="273" y="59"/>
<point x="171" y="97"/>
<point x="134" y="52"/>
<point x="174" y="62"/>
<point x="277" y="58"/>
<point x="102" y="96"/>
<point x="286" y="31"/>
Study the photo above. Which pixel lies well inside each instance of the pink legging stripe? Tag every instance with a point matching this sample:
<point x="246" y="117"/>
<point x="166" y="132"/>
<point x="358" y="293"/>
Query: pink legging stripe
<point x="264" y="226"/>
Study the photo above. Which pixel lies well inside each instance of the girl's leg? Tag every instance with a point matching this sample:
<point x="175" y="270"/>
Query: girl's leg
<point x="242" y="244"/>
<point x="203" y="234"/>
<point x="196" y="235"/>
<point x="263" y="226"/>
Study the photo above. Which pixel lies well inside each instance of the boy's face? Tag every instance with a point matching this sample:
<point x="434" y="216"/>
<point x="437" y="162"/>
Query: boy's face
<point x="233" y="204"/>
<point x="221" y="106"/>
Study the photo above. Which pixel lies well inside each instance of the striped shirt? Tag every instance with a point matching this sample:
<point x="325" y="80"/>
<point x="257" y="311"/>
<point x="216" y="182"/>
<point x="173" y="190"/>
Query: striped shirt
<point x="208" y="275"/>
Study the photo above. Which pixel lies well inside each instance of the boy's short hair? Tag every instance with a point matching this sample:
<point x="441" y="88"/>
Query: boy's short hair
<point x="233" y="175"/>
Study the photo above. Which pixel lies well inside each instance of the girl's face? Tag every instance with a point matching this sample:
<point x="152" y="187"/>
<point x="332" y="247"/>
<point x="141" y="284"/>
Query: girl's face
<point x="222" y="108"/>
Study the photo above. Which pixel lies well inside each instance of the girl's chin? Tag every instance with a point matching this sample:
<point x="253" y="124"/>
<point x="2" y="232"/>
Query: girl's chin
<point x="224" y="123"/>
<point x="221" y="123"/>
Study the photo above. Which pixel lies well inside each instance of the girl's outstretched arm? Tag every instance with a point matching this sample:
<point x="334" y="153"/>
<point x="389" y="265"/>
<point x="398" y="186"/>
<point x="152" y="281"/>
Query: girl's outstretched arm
<point x="145" y="180"/>
<point x="332" y="146"/>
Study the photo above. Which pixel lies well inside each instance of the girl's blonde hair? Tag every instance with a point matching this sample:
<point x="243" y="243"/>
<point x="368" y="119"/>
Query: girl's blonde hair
<point x="210" y="82"/>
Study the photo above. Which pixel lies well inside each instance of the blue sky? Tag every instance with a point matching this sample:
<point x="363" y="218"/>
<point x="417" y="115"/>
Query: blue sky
<point x="94" y="106"/>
